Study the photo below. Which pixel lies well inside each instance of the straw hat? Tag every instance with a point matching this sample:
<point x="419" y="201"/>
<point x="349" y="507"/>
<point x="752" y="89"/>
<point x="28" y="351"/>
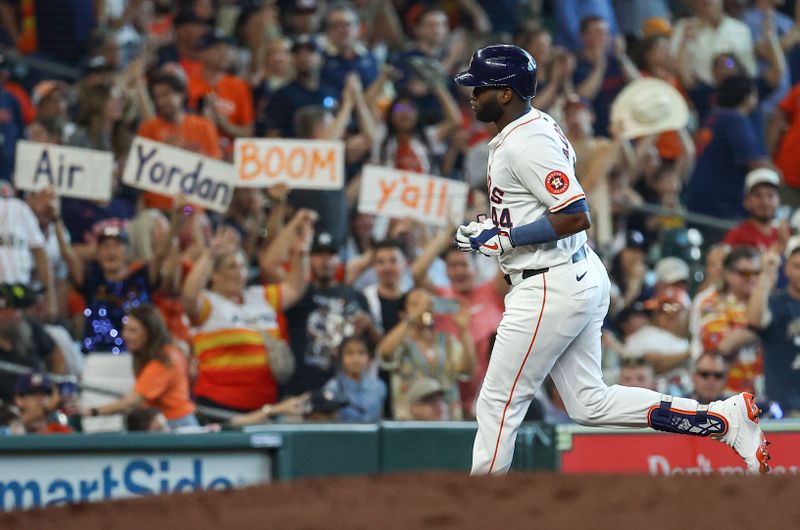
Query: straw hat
<point x="648" y="106"/>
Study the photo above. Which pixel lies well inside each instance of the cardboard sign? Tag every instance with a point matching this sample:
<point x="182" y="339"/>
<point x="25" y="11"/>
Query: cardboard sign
<point x="300" y="164"/>
<point x="394" y="193"/>
<point x="71" y="171"/>
<point x="167" y="170"/>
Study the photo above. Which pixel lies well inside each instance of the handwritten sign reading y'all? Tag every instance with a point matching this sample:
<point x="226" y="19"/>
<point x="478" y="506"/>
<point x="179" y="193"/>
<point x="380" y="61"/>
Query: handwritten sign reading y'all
<point x="167" y="170"/>
<point x="394" y="193"/>
<point x="71" y="171"/>
<point x="301" y="164"/>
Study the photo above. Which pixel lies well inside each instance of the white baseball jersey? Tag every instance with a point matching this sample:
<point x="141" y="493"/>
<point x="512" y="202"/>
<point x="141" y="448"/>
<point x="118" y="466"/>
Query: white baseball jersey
<point x="532" y="172"/>
<point x="19" y="234"/>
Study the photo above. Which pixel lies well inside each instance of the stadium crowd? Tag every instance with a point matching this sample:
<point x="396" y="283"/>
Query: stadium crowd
<point x="295" y="305"/>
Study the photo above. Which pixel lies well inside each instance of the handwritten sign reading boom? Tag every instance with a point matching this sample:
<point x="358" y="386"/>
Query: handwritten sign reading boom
<point x="394" y="193"/>
<point x="167" y="170"/>
<point x="301" y="164"/>
<point x="71" y="171"/>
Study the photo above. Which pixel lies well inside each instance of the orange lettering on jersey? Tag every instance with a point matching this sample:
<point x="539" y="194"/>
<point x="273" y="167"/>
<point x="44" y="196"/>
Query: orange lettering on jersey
<point x="556" y="182"/>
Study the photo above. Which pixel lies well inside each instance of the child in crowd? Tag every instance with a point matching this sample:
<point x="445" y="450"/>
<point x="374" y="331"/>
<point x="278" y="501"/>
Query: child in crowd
<point x="363" y="391"/>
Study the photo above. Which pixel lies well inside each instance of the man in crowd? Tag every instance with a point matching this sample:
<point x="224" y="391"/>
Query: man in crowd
<point x="37" y="399"/>
<point x="638" y="372"/>
<point x="778" y="319"/>
<point x="224" y="99"/>
<point x="719" y="321"/>
<point x="174" y="126"/>
<point x="344" y="53"/>
<point x="327" y="313"/>
<point x="305" y="90"/>
<point x="761" y="200"/>
<point x="664" y="343"/>
<point x="709" y="375"/>
<point x="602" y="70"/>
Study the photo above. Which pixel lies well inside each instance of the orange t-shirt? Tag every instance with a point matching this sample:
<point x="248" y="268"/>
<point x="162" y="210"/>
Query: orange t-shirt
<point x="166" y="387"/>
<point x="234" y="101"/>
<point x="787" y="157"/>
<point x="193" y="133"/>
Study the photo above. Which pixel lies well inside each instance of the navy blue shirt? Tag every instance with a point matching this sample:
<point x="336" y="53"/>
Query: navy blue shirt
<point x="11" y="128"/>
<point x="63" y="27"/>
<point x="613" y="83"/>
<point x="289" y="99"/>
<point x="106" y="305"/>
<point x="727" y="144"/>
<point x="335" y="68"/>
<point x="781" y="340"/>
<point x="317" y="324"/>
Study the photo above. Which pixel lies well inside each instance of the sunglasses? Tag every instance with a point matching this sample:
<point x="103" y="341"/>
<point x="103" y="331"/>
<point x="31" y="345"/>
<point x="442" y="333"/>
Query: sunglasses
<point x="716" y="375"/>
<point x="403" y="107"/>
<point x="744" y="273"/>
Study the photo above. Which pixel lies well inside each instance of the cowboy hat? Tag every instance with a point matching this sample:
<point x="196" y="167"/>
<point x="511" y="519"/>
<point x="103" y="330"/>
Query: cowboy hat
<point x="648" y="106"/>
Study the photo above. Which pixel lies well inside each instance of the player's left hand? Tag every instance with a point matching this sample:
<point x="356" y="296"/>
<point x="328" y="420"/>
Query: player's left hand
<point x="465" y="233"/>
<point x="492" y="240"/>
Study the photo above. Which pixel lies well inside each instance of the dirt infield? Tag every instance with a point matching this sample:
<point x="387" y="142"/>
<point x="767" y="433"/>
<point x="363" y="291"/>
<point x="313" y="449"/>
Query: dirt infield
<point x="446" y="500"/>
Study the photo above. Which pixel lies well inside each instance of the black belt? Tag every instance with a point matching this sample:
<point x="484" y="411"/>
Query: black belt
<point x="527" y="273"/>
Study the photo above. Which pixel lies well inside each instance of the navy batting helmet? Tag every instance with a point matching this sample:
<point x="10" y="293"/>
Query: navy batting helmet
<point x="502" y="65"/>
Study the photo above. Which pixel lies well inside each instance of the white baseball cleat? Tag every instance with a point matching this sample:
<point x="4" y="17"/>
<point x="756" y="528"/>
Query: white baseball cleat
<point x="744" y="433"/>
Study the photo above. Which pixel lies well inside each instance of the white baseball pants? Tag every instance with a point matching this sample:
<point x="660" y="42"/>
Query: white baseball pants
<point x="552" y="325"/>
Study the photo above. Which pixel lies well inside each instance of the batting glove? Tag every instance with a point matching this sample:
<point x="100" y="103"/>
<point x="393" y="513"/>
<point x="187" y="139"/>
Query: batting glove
<point x="492" y="240"/>
<point x="463" y="235"/>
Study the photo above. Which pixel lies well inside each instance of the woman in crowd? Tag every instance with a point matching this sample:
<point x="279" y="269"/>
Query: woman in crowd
<point x="100" y="120"/>
<point x="235" y="324"/>
<point x="413" y="349"/>
<point x="160" y="368"/>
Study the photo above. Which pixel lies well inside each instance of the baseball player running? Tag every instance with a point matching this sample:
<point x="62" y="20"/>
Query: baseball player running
<point x="559" y="287"/>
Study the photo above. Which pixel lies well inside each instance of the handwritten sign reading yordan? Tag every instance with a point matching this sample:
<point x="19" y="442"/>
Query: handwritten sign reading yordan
<point x="71" y="171"/>
<point x="167" y="170"/>
<point x="394" y="193"/>
<point x="300" y="164"/>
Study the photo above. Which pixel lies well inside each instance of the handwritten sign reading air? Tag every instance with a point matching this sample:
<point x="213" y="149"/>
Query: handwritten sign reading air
<point x="71" y="171"/>
<point x="300" y="164"/>
<point x="167" y="170"/>
<point x="393" y="193"/>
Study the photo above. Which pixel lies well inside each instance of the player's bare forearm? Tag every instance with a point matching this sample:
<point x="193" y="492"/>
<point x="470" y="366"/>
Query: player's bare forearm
<point x="566" y="224"/>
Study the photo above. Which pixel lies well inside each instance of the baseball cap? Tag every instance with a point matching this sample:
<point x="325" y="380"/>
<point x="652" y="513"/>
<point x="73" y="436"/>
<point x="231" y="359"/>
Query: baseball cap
<point x="305" y="41"/>
<point x="304" y="6"/>
<point x="112" y="231"/>
<point x="791" y="245"/>
<point x="188" y="15"/>
<point x="326" y="401"/>
<point x="35" y="383"/>
<point x="212" y="38"/>
<point x="671" y="270"/>
<point x="44" y="89"/>
<point x="424" y="388"/>
<point x="574" y="101"/>
<point x="669" y="299"/>
<point x="656" y="26"/>
<point x="97" y="65"/>
<point x="761" y="175"/>
<point x="323" y="242"/>
<point x="17" y="295"/>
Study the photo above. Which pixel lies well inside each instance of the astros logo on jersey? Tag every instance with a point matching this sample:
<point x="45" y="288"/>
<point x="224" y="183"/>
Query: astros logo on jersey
<point x="556" y="182"/>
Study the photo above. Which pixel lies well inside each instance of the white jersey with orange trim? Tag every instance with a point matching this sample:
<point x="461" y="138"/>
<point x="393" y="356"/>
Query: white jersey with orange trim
<point x="531" y="172"/>
<point x="255" y="312"/>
